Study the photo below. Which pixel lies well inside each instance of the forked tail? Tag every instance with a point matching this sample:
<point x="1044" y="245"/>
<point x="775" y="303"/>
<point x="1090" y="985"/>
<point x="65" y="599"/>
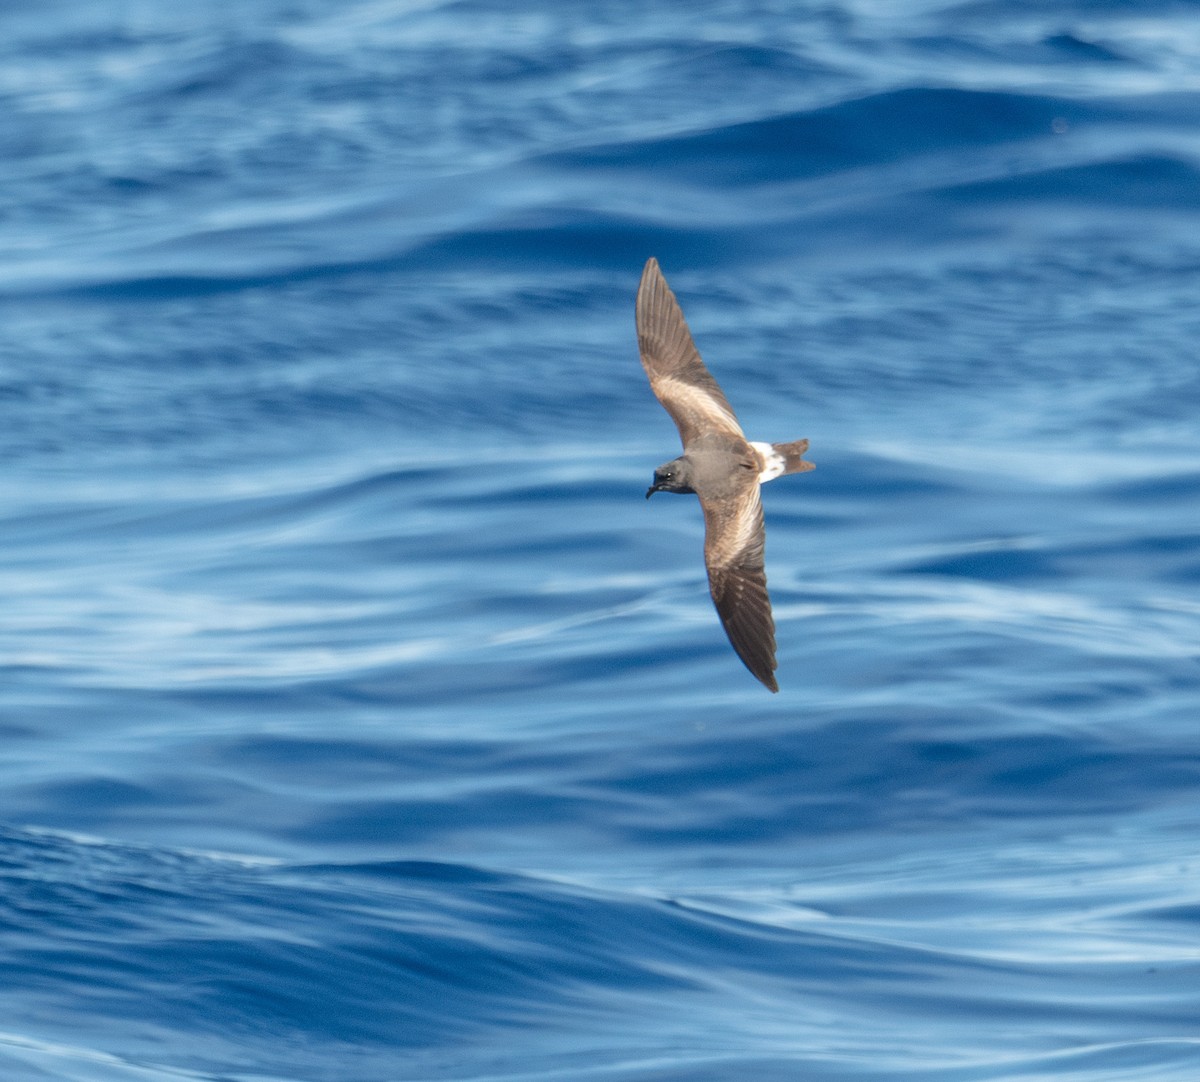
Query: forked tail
<point x="791" y="454"/>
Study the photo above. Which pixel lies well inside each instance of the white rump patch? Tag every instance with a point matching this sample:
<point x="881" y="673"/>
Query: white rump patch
<point x="773" y="462"/>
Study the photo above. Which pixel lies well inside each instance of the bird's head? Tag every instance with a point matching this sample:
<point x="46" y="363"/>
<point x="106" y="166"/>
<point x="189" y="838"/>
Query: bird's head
<point x="675" y="476"/>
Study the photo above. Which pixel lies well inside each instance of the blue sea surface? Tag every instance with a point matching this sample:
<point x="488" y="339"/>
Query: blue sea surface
<point x="361" y="720"/>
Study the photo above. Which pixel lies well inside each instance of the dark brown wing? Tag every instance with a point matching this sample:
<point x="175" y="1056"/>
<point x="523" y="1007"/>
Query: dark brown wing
<point x="734" y="543"/>
<point x="677" y="375"/>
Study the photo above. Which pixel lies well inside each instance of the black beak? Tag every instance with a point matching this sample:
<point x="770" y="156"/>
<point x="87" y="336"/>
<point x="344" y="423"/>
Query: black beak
<point x="651" y="491"/>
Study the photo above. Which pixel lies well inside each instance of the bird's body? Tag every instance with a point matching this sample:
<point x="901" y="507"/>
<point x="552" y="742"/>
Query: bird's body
<point x="721" y="467"/>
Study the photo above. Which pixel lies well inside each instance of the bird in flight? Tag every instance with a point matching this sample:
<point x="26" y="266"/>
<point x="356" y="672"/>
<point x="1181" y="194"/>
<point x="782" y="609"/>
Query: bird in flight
<point x="720" y="466"/>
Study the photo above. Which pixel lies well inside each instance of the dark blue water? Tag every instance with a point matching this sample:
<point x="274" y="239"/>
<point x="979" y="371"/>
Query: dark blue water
<point x="362" y="722"/>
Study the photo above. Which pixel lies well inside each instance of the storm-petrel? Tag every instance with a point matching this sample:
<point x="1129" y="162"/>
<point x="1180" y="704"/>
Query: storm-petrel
<point x="720" y="466"/>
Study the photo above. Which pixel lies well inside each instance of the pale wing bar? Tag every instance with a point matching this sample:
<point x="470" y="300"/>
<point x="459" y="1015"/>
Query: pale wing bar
<point x="733" y="550"/>
<point x="678" y="377"/>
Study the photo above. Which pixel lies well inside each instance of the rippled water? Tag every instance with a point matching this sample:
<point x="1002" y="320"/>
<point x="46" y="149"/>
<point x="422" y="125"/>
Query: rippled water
<point x="362" y="721"/>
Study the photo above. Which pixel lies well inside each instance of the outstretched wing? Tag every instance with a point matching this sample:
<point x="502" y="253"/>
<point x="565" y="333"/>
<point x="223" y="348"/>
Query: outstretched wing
<point x="677" y="375"/>
<point x="734" y="542"/>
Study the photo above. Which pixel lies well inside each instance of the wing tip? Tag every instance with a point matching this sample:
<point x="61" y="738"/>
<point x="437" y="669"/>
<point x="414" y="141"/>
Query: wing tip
<point x="763" y="675"/>
<point x="754" y="650"/>
<point x="651" y="274"/>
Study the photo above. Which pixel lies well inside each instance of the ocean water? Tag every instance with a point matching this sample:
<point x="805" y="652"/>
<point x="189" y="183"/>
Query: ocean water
<point x="363" y="723"/>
